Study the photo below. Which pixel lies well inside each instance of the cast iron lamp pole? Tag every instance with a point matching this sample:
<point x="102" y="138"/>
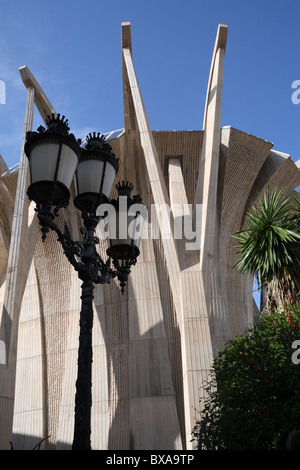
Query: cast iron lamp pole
<point x="55" y="157"/>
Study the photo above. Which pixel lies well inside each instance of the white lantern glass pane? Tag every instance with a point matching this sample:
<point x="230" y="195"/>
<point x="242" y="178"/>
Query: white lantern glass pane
<point x="135" y="229"/>
<point x="89" y="176"/>
<point x="121" y="229"/>
<point x="109" y="177"/>
<point x="67" y="165"/>
<point x="112" y="225"/>
<point x="43" y="159"/>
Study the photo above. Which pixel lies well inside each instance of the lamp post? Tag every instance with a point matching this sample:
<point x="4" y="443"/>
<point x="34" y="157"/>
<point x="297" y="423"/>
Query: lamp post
<point x="55" y="158"/>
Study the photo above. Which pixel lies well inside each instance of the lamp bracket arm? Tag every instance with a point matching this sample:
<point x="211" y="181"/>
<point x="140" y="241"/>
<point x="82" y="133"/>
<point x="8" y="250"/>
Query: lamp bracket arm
<point x="88" y="270"/>
<point x="107" y="273"/>
<point x="71" y="248"/>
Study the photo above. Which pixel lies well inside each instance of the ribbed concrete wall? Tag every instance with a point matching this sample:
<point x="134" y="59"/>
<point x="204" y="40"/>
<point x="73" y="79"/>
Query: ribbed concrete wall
<point x="137" y="368"/>
<point x="152" y="347"/>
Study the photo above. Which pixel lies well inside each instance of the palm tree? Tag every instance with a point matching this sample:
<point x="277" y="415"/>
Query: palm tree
<point x="269" y="248"/>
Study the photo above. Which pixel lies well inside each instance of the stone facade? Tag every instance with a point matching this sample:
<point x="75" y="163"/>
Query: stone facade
<point x="152" y="347"/>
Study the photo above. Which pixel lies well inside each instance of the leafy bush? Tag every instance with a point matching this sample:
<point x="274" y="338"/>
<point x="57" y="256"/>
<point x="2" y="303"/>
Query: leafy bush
<point x="253" y="396"/>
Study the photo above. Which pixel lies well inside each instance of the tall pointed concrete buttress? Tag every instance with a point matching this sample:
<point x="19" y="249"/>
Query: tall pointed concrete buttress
<point x="19" y="261"/>
<point x="196" y="280"/>
<point x="155" y="174"/>
<point x="207" y="185"/>
<point x="40" y="98"/>
<point x="147" y="301"/>
<point x="15" y="277"/>
<point x="191" y="316"/>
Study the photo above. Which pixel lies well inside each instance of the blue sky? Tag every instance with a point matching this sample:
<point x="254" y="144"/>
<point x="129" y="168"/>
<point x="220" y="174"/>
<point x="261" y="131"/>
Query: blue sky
<point x="73" y="48"/>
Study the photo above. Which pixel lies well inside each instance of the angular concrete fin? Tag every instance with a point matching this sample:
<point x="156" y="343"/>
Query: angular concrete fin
<point x="126" y="36"/>
<point x="40" y="98"/>
<point x="220" y="43"/>
<point x="16" y="269"/>
<point x="212" y="115"/>
<point x="3" y="166"/>
<point x="130" y="123"/>
<point x="154" y="170"/>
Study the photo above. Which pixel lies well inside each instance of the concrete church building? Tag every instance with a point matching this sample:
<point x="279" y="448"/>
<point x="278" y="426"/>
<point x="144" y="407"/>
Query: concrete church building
<point x="154" y="345"/>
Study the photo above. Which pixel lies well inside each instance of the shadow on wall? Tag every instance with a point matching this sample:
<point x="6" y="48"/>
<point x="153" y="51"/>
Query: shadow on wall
<point x="141" y="374"/>
<point x="28" y="442"/>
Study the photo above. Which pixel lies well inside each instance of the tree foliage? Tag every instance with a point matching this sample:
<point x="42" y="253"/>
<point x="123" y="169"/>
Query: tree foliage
<point x="253" y="395"/>
<point x="269" y="247"/>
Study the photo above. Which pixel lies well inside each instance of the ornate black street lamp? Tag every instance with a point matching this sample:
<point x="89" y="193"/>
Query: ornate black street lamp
<point x="55" y="157"/>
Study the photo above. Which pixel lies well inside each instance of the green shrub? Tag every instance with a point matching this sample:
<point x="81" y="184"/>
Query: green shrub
<point x="253" y="397"/>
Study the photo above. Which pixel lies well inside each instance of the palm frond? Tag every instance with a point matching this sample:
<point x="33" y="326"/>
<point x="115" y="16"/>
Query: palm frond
<point x="269" y="244"/>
